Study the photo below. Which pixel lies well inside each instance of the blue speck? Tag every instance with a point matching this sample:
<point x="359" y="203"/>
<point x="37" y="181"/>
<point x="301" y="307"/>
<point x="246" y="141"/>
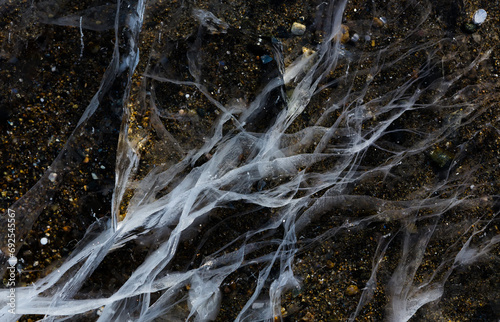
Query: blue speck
<point x="266" y="59"/>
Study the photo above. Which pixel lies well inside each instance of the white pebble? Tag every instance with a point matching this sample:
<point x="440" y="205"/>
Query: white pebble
<point x="52" y="177"/>
<point x="44" y="241"/>
<point x="298" y="29"/>
<point x="479" y="16"/>
<point x="12" y="261"/>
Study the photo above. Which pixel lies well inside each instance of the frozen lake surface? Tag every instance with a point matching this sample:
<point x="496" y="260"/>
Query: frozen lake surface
<point x="250" y="161"/>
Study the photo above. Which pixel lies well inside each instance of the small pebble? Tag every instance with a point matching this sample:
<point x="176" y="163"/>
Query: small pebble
<point x="479" y="16"/>
<point x="344" y="37"/>
<point x="298" y="29"/>
<point x="12" y="261"/>
<point x="379" y="22"/>
<point x="52" y="177"/>
<point x="352" y="290"/>
<point x="266" y="59"/>
<point x="470" y="27"/>
<point x="307" y="51"/>
<point x="44" y="241"/>
<point x="441" y="157"/>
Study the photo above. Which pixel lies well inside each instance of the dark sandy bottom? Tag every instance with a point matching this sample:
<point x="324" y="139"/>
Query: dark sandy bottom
<point x="259" y="160"/>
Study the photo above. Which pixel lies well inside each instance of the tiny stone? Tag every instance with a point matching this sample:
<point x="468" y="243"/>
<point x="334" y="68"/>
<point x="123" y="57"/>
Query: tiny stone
<point x="44" y="241"/>
<point x="379" y="22"/>
<point x="12" y="260"/>
<point x="352" y="290"/>
<point x="94" y="176"/>
<point x="298" y="29"/>
<point x="470" y="28"/>
<point x="52" y="177"/>
<point x="479" y="16"/>
<point x="266" y="59"/>
<point x="344" y="34"/>
<point x="307" y="51"/>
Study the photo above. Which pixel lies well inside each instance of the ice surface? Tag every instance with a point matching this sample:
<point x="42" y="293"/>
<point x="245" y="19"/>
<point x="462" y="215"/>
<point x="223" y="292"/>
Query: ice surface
<point x="301" y="172"/>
